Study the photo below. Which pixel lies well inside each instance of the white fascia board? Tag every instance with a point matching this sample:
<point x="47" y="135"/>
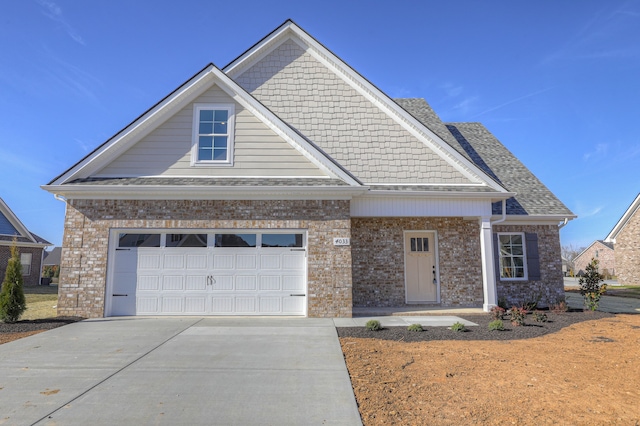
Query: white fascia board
<point x="309" y="151"/>
<point x="365" y="88"/>
<point x="24" y="244"/>
<point x="153" y="192"/>
<point x="635" y="205"/>
<point x="13" y="219"/>
<point x="532" y="219"/>
<point x="137" y="130"/>
<point x="494" y="196"/>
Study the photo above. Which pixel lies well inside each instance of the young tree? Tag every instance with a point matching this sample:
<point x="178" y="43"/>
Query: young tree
<point x="590" y="287"/>
<point x="12" y="301"/>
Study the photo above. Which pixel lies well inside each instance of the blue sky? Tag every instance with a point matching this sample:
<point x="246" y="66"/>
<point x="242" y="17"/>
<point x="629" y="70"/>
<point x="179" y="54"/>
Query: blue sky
<point x="558" y="82"/>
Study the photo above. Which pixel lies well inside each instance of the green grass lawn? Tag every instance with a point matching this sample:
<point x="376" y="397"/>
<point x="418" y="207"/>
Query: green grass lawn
<point x="41" y="302"/>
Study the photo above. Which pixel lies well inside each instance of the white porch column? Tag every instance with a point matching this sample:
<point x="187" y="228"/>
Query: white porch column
<point x="488" y="269"/>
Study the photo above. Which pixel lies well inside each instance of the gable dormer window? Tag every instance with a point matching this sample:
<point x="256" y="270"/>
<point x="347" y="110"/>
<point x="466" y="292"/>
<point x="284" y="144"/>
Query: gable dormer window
<point x="213" y="126"/>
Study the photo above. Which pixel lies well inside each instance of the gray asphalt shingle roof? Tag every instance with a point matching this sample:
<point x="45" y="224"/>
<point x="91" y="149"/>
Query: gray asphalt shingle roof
<point x="178" y="181"/>
<point x="481" y="147"/>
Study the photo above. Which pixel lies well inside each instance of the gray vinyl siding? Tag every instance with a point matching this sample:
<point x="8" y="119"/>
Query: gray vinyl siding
<point x="258" y="151"/>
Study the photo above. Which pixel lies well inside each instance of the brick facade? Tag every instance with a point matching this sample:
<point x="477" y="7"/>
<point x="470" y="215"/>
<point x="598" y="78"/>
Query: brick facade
<point x="550" y="288"/>
<point x="33" y="278"/>
<point x="627" y="251"/>
<point x="88" y="222"/>
<point x="597" y="250"/>
<point x="378" y="263"/>
<point x="378" y="260"/>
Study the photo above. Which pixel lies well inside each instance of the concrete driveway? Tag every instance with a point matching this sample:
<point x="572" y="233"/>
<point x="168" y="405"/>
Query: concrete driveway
<point x="178" y="371"/>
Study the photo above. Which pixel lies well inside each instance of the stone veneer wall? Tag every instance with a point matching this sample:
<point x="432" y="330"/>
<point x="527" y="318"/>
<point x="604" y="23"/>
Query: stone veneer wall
<point x="86" y="238"/>
<point x="604" y="254"/>
<point x="627" y="252"/>
<point x="33" y="278"/>
<point x="377" y="248"/>
<point x="550" y="288"/>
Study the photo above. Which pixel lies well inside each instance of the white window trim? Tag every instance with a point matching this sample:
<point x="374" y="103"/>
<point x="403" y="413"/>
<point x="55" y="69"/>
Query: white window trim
<point x="26" y="264"/>
<point x="195" y="130"/>
<point x="524" y="257"/>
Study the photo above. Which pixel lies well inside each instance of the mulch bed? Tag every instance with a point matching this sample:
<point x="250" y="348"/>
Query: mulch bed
<point x="37" y="324"/>
<point x="531" y="329"/>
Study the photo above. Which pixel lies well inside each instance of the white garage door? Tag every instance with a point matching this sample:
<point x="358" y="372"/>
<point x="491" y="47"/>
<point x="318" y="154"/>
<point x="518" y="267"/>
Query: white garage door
<point x="225" y="273"/>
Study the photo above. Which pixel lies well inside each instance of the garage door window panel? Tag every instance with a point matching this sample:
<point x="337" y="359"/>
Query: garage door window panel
<point x="186" y="240"/>
<point x="282" y="240"/>
<point x="236" y="240"/>
<point x="139" y="240"/>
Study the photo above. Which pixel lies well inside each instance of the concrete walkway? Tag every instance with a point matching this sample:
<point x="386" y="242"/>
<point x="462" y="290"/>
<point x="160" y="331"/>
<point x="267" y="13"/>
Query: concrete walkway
<point x="178" y="371"/>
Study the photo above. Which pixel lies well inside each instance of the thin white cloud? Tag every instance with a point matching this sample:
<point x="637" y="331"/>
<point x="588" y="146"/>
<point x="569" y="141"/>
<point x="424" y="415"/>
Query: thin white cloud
<point x="600" y="151"/>
<point x="512" y="101"/>
<point x="588" y="213"/>
<point x="603" y="29"/>
<point x="28" y="164"/>
<point x="70" y="76"/>
<point x="452" y="90"/>
<point x="52" y="11"/>
<point x="466" y="104"/>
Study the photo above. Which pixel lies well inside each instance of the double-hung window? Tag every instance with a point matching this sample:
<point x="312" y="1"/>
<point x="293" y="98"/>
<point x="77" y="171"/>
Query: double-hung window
<point x="513" y="257"/>
<point x="213" y="126"/>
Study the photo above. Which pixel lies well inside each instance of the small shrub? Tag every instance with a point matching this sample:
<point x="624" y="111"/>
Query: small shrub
<point x="517" y="315"/>
<point x="12" y="301"/>
<point x="590" y="287"/>
<point x="496" y="325"/>
<point x="539" y="316"/>
<point x="498" y="312"/>
<point x="531" y="301"/>
<point x="502" y="302"/>
<point x="559" y="307"/>
<point x="373" y="325"/>
<point x="458" y="327"/>
<point x="415" y="327"/>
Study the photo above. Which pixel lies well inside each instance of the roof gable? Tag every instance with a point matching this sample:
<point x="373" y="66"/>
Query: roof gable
<point x="11" y="227"/>
<point x="356" y="123"/>
<point x="166" y="151"/>
<point x="633" y="209"/>
<point x="110" y="151"/>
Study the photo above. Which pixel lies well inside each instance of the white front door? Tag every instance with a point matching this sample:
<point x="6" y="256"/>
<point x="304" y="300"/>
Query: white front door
<point x="421" y="275"/>
<point x="247" y="273"/>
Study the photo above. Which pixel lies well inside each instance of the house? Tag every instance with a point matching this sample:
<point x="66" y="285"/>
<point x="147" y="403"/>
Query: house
<point x="51" y="266"/>
<point x="288" y="184"/>
<point x="30" y="246"/>
<point x="625" y="237"/>
<point x="600" y="250"/>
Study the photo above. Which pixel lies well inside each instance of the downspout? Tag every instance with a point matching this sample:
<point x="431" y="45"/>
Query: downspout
<point x="504" y="215"/>
<point x="564" y="223"/>
<point x="59" y="198"/>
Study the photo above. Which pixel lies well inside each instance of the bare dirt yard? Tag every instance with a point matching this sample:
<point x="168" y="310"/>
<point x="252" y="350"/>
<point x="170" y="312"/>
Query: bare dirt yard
<point x="582" y="369"/>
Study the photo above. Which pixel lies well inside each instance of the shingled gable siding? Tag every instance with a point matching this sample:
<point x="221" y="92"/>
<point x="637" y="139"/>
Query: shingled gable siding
<point x="86" y="237"/>
<point x="627" y="252"/>
<point x="549" y="288"/>
<point x="378" y="260"/>
<point x="350" y="128"/>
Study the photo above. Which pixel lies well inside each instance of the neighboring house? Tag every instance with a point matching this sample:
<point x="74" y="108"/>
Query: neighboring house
<point x="600" y="250"/>
<point x="288" y="184"/>
<point x="51" y="266"/>
<point x="30" y="246"/>
<point x="625" y="237"/>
